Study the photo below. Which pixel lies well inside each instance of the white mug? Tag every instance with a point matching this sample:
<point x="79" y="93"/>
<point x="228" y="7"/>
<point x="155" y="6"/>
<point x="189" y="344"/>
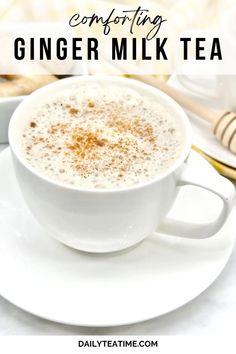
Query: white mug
<point x="105" y="220"/>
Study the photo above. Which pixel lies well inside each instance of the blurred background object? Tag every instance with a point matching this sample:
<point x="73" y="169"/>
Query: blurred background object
<point x="183" y="13"/>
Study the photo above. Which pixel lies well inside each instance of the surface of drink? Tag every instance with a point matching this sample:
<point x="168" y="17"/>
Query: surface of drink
<point x="96" y="135"/>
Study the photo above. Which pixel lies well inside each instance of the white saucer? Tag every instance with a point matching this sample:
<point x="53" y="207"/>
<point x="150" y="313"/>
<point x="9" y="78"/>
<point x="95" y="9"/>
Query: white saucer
<point x="202" y="136"/>
<point x="47" y="279"/>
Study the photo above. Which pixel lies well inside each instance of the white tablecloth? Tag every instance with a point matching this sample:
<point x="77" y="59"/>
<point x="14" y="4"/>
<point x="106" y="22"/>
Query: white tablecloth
<point x="211" y="313"/>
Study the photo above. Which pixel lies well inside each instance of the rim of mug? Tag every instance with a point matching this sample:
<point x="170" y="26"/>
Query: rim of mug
<point x="168" y="101"/>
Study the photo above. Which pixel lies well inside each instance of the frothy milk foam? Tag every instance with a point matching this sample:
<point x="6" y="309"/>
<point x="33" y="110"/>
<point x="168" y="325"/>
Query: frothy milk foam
<point x="101" y="136"/>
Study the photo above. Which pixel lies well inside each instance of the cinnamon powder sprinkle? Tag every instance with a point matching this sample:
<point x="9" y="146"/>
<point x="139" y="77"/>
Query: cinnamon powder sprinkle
<point x="73" y="111"/>
<point x="110" y="138"/>
<point x="84" y="141"/>
<point x="91" y="104"/>
<point x="86" y="146"/>
<point x="91" y="146"/>
<point x="136" y="127"/>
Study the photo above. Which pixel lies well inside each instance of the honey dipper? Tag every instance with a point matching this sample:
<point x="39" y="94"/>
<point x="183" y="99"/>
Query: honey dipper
<point x="223" y="124"/>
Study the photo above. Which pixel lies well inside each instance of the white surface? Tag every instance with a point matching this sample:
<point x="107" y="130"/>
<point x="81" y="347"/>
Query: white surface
<point x="212" y="312"/>
<point x="202" y="136"/>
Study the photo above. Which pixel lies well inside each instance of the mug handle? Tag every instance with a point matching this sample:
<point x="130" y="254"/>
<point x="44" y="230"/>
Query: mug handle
<point x="212" y="182"/>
